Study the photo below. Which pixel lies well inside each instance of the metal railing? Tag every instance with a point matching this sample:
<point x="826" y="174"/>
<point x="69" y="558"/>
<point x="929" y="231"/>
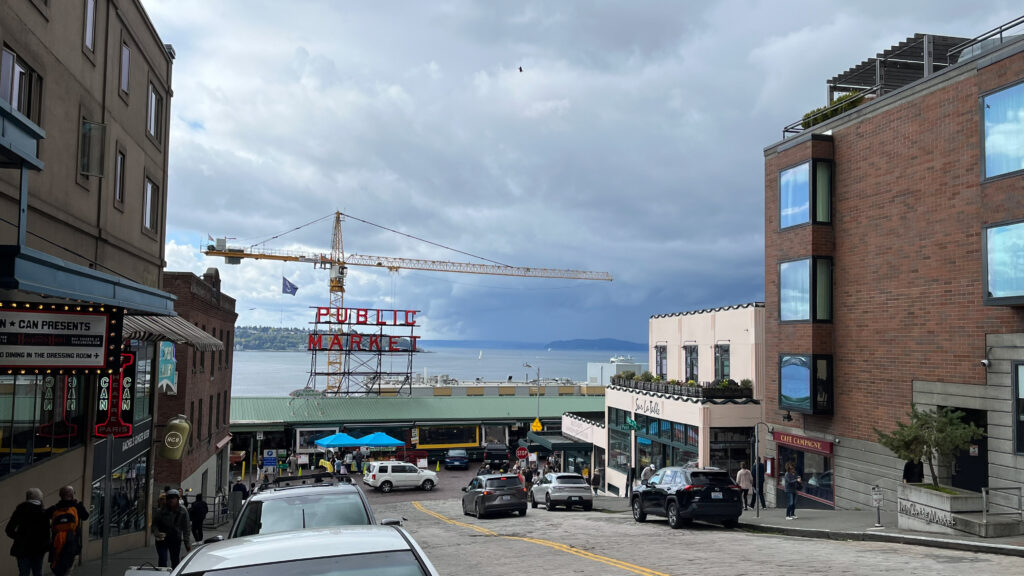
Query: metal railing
<point x="991" y="34"/>
<point x="1019" y="513"/>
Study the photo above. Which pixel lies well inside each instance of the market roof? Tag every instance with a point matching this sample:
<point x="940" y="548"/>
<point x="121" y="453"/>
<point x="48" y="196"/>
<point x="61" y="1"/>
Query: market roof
<point x="260" y="412"/>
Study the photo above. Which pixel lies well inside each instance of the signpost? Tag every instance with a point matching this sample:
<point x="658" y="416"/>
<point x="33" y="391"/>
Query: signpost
<point x="522" y="453"/>
<point x="270" y="459"/>
<point x="876" y="501"/>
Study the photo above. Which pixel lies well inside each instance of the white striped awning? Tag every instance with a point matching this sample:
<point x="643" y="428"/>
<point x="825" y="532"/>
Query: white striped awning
<point x="169" y="328"/>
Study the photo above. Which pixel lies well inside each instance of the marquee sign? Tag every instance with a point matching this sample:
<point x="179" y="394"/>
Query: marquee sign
<point x="115" y="404"/>
<point x="53" y="339"/>
<point x="353" y="319"/>
<point x="803" y="442"/>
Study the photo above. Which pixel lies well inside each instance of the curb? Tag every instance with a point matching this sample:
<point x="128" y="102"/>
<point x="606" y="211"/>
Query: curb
<point x="962" y="545"/>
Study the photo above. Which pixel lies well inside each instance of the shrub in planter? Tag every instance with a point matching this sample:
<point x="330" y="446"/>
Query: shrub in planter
<point x="627" y="375"/>
<point x="928" y="435"/>
<point x="647" y="376"/>
<point x="746" y="383"/>
<point x="841" y="104"/>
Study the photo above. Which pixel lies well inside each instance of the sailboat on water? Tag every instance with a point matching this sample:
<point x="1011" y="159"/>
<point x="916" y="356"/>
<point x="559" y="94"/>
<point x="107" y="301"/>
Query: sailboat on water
<point x="481" y="356"/>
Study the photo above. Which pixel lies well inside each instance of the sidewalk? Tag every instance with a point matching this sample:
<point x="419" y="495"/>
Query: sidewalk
<point x="850" y="525"/>
<point x="118" y="563"/>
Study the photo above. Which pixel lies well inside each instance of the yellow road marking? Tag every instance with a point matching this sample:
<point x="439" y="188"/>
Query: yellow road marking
<point x="555" y="545"/>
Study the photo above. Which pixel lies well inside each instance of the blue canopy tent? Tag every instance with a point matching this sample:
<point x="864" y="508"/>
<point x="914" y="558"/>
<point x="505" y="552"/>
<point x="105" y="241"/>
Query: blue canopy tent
<point x="339" y="440"/>
<point x="379" y="440"/>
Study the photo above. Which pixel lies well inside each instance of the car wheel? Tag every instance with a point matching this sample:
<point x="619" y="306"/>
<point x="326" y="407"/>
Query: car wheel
<point x="547" y="502"/>
<point x="428" y="485"/>
<point x="479" y="511"/>
<point x="533" y="501"/>
<point x="588" y="507"/>
<point x="386" y="486"/>
<point x="731" y="523"/>
<point x="522" y="511"/>
<point x="638" y="514"/>
<point x="672" y="512"/>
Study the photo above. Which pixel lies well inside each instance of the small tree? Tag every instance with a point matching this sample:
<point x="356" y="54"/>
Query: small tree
<point x="929" y="434"/>
<point x="627" y="375"/>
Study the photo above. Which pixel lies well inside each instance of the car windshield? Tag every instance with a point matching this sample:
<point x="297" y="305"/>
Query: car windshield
<point x="710" y="479"/>
<point x="461" y="453"/>
<point x="570" y="480"/>
<point x="504" y="482"/>
<point x="299" y="512"/>
<point x="397" y="563"/>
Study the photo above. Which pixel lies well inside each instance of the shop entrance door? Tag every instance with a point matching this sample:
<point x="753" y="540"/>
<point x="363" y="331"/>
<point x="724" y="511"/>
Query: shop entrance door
<point x="970" y="470"/>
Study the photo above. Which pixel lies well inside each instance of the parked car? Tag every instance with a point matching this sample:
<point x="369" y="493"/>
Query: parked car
<point x="339" y="551"/>
<point x="322" y="501"/>
<point x="491" y="493"/>
<point x="456" y="458"/>
<point x="562" y="489"/>
<point x="390" y="474"/>
<point x="497" y="457"/>
<point x="686" y="494"/>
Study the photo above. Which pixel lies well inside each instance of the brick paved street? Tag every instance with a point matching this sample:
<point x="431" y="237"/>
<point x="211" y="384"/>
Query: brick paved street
<point x="612" y="543"/>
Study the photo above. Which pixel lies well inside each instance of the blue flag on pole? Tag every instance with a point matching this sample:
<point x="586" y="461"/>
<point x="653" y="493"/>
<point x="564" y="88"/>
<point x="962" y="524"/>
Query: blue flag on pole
<point x="287" y="287"/>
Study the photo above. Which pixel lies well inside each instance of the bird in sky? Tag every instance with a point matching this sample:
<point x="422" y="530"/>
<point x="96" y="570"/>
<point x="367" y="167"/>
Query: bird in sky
<point x="520" y="68"/>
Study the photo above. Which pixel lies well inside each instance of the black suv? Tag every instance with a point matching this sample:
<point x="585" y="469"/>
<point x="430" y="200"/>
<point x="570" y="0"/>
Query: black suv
<point x="686" y="494"/>
<point x="496" y="457"/>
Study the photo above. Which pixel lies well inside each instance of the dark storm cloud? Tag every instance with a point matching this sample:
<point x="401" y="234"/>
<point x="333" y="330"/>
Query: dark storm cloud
<point x="631" y="142"/>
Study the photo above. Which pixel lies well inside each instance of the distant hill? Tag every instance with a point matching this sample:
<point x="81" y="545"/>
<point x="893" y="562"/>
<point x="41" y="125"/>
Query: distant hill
<point x="597" y="344"/>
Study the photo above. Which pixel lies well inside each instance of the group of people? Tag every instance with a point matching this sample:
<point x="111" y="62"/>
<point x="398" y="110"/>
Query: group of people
<point x="38" y="531"/>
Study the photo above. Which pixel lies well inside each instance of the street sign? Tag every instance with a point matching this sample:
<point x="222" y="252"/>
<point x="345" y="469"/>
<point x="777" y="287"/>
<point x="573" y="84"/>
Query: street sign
<point x="876" y="496"/>
<point x="270" y="458"/>
<point x="522" y="453"/>
<point x="536" y="426"/>
<point x="259" y="435"/>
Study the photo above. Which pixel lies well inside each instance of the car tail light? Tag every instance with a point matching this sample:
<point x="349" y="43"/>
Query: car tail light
<point x="689" y="488"/>
<point x="373" y="476"/>
<point x="487" y="492"/>
<point x="735" y="487"/>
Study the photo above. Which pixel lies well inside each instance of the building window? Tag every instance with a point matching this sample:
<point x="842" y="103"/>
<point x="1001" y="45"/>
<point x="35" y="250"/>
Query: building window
<point x="218" y="411"/>
<point x="805" y="383"/>
<point x="1004" y="263"/>
<point x="145" y="367"/>
<point x="150" y="203"/>
<point x="128" y="482"/>
<point x="199" y="423"/>
<point x="802" y="197"/>
<point x="209" y="418"/>
<point x="20" y="84"/>
<point x="90" y="25"/>
<point x="119" y="178"/>
<point x="1004" y="131"/>
<point x="224" y="415"/>
<point x="1018" y="405"/>
<point x="661" y="361"/>
<point x="126" y="65"/>
<point x="795" y="296"/>
<point x="220" y="353"/>
<point x="154" y="112"/>
<point x="721" y="362"/>
<point x="690" y="354"/>
<point x="191" y="418"/>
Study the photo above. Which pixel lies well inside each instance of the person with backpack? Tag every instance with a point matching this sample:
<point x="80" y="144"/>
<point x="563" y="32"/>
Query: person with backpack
<point x="66" y="519"/>
<point x="197" y="515"/>
<point x="171" y="529"/>
<point x="29" y="527"/>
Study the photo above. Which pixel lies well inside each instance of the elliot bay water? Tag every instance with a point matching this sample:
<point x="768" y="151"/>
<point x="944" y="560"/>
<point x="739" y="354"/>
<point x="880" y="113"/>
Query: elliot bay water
<point x="264" y="373"/>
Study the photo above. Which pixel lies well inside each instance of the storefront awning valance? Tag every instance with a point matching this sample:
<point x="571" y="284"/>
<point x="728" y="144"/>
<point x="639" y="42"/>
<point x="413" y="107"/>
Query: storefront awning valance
<point x="172" y="328"/>
<point x="557" y="442"/>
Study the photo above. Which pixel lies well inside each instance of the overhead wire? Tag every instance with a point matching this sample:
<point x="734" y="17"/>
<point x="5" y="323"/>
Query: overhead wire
<point x="276" y="236"/>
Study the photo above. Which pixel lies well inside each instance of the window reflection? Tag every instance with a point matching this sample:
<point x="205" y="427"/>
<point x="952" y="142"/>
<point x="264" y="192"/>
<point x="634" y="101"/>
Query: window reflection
<point x="1005" y="247"/>
<point x="40" y="416"/>
<point x="1004" y="131"/>
<point x="128" y="504"/>
<point x="795" y="290"/>
<point x="795" y="195"/>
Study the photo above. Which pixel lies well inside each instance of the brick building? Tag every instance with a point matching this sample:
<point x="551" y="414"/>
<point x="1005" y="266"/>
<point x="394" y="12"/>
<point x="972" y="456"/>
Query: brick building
<point x="202" y="387"/>
<point x="894" y="265"/>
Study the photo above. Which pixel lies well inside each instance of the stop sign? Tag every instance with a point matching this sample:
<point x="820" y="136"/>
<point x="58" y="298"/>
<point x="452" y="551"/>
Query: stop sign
<point x="522" y="453"/>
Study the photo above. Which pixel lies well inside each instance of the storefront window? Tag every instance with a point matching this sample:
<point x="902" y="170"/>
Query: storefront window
<point x="815" y="470"/>
<point x="305" y="437"/>
<point x="730" y="447"/>
<point x="144" y="356"/>
<point x="618" y="450"/>
<point x="40" y="416"/>
<point x="128" y="505"/>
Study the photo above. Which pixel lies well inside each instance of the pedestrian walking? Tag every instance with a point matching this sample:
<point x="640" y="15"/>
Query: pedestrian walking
<point x="172" y="529"/>
<point x="646" y="474"/>
<point x="793" y="484"/>
<point x="29" y="527"/>
<point x="359" y="460"/>
<point x="66" y="519"/>
<point x="759" y="489"/>
<point x="913" y="472"/>
<point x="595" y="480"/>
<point x="745" y="480"/>
<point x="197" y="516"/>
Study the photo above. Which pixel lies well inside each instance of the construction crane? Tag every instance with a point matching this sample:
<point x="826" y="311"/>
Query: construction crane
<point x="337" y="262"/>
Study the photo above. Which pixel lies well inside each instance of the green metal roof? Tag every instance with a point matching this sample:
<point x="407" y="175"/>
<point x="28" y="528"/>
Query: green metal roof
<point x="251" y="410"/>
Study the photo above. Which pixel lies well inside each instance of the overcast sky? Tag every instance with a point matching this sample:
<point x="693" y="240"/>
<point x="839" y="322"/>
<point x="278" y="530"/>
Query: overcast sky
<point x="630" y="143"/>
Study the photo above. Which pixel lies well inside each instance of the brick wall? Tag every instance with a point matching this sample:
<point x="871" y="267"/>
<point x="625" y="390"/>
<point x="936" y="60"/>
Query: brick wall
<point x="908" y="215"/>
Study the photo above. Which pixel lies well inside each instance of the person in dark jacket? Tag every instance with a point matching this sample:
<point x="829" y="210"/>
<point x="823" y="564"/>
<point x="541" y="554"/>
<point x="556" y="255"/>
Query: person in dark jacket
<point x="913" y="472"/>
<point x="240" y="487"/>
<point x="66" y="519"/>
<point x="171" y="529"/>
<point x="197" y="515"/>
<point x="29" y="527"/>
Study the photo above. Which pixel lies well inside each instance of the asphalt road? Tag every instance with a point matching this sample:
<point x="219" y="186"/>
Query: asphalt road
<point x="596" y="543"/>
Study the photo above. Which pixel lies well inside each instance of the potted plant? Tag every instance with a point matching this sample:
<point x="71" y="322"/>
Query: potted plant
<point x="927" y="437"/>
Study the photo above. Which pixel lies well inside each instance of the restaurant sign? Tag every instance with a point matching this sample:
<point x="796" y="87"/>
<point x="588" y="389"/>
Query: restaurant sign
<point x="47" y="339"/>
<point x="803" y="442"/>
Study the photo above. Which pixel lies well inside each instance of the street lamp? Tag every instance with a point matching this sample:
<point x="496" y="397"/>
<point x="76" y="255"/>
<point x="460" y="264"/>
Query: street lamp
<point x="758" y="496"/>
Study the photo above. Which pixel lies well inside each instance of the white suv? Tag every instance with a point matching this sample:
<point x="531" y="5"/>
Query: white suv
<point x="390" y="474"/>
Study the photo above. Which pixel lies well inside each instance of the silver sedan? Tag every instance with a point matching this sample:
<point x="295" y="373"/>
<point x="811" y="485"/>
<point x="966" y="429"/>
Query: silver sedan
<point x="562" y="489"/>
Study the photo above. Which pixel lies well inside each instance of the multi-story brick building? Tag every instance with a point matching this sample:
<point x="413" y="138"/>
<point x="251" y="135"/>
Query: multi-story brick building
<point x="201" y="389"/>
<point x="894" y="268"/>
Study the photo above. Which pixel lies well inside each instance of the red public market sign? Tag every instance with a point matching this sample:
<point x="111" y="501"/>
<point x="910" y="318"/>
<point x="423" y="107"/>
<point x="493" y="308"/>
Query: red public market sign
<point x="365" y="316"/>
